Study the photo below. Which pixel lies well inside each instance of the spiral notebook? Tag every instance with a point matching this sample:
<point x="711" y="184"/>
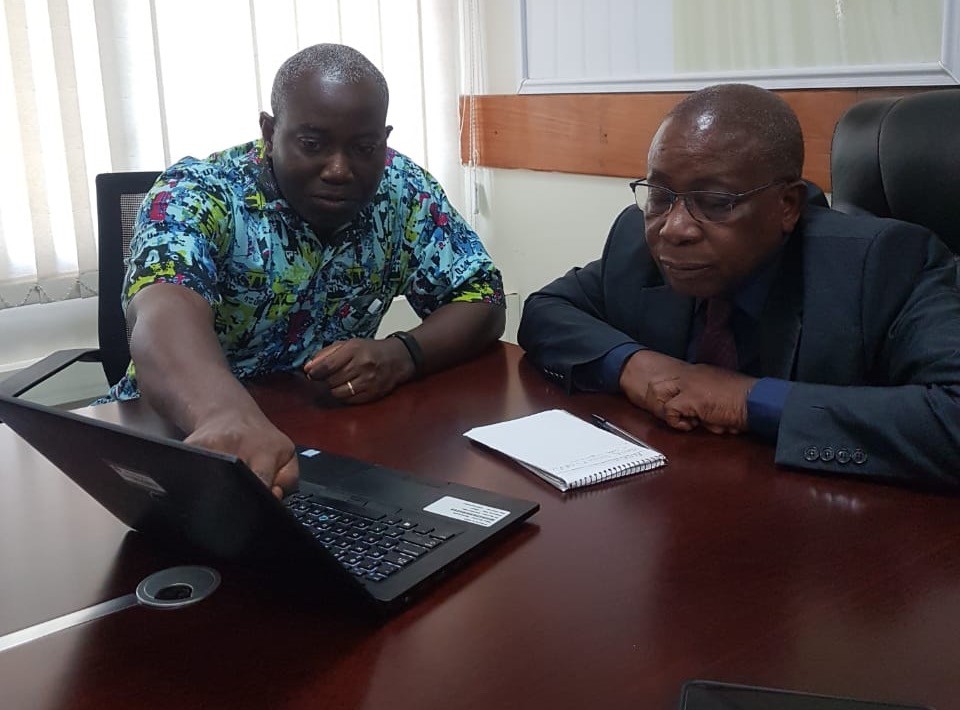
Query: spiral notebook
<point x="567" y="451"/>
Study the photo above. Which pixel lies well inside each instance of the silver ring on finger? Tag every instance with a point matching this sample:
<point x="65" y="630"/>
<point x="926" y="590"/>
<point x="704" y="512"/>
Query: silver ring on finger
<point x="353" y="392"/>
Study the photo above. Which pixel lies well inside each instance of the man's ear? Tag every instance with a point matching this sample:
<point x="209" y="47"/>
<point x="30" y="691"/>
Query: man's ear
<point x="386" y="133"/>
<point x="266" y="130"/>
<point x="792" y="202"/>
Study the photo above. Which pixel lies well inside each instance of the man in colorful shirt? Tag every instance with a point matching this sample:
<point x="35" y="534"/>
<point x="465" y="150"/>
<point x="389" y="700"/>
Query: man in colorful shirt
<point x="284" y="254"/>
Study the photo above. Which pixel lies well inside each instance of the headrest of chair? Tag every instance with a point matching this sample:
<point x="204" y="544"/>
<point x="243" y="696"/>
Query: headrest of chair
<point x="900" y="157"/>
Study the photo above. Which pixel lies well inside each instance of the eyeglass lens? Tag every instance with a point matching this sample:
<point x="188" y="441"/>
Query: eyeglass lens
<point x="702" y="206"/>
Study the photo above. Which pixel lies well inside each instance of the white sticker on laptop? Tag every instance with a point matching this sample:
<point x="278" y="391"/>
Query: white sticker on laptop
<point x="135" y="478"/>
<point x="467" y="511"/>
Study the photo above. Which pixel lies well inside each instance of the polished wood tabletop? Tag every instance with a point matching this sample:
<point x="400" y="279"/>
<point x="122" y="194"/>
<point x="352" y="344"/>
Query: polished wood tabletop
<point x="719" y="565"/>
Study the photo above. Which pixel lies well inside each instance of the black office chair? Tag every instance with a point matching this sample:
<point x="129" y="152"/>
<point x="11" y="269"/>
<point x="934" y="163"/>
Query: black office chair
<point x="118" y="198"/>
<point x="900" y="157"/>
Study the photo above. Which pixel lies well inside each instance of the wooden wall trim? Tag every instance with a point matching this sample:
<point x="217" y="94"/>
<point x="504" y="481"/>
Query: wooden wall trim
<point x="608" y="134"/>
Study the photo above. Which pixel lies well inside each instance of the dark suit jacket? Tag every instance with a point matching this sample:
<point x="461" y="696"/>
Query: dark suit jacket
<point x="864" y="316"/>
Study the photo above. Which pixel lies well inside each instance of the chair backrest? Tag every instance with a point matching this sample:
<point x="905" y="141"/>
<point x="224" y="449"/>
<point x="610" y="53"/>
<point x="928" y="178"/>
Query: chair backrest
<point x="900" y="157"/>
<point x="118" y="199"/>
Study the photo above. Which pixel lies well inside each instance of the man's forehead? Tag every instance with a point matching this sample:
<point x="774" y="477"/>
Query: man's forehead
<point x="693" y="153"/>
<point x="315" y="85"/>
<point x="708" y="124"/>
<point x="318" y="100"/>
<point x="703" y="133"/>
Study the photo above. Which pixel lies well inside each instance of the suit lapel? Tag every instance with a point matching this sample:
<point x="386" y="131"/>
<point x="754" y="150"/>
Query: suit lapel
<point x="781" y="320"/>
<point x="666" y="327"/>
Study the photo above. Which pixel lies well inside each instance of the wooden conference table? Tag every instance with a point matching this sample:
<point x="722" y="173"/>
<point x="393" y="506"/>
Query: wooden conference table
<point x="718" y="566"/>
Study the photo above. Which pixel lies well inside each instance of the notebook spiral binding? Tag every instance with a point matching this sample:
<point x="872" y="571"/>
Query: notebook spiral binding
<point x="625" y="469"/>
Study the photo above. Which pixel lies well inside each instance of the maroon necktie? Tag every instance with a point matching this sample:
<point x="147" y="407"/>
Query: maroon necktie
<point x="717" y="346"/>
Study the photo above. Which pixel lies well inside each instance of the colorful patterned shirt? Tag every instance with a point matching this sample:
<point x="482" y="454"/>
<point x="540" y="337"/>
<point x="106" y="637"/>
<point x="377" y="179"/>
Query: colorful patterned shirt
<point x="220" y="227"/>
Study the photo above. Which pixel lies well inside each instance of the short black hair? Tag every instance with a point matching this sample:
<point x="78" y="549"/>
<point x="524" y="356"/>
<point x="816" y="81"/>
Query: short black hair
<point x="334" y="62"/>
<point x="744" y="109"/>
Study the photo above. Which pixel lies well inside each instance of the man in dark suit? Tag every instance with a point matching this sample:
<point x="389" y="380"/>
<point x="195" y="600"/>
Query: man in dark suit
<point x="736" y="306"/>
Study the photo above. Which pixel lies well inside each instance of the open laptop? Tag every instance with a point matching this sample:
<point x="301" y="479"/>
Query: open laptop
<point x="369" y="531"/>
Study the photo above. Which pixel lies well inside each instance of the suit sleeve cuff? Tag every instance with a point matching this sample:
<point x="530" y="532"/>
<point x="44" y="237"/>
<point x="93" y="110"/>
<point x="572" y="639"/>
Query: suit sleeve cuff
<point x="603" y="374"/>
<point x="765" y="404"/>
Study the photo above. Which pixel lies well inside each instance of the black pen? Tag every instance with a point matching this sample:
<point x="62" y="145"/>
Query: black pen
<point x="614" y="429"/>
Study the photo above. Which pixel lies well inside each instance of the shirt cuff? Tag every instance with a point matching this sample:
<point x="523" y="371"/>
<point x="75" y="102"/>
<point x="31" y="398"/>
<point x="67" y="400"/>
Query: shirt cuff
<point x="765" y="403"/>
<point x="603" y="374"/>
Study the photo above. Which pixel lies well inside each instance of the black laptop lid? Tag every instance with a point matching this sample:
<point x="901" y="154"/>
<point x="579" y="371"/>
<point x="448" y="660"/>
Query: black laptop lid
<point x="177" y="494"/>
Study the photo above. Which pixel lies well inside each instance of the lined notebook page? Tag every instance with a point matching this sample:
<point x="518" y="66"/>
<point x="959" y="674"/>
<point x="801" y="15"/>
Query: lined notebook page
<point x="565" y="450"/>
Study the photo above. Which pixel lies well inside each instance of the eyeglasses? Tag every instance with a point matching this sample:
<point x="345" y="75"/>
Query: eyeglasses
<point x="703" y="205"/>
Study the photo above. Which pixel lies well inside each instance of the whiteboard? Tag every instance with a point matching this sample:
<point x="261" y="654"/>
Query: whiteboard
<point x="584" y="46"/>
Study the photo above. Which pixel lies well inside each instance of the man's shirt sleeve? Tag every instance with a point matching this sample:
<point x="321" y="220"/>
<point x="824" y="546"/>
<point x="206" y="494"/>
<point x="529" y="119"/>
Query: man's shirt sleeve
<point x="450" y="264"/>
<point x="176" y="234"/>
<point x="765" y="403"/>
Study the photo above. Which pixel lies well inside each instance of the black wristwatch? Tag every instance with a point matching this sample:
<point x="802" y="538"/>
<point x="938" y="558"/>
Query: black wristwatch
<point x="413" y="347"/>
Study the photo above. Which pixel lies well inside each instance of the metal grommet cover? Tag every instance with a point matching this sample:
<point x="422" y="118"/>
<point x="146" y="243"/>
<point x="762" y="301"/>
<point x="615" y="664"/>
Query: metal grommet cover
<point x="177" y="587"/>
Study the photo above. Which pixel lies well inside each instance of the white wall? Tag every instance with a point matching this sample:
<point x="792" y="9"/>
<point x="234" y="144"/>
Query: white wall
<point x="536" y="225"/>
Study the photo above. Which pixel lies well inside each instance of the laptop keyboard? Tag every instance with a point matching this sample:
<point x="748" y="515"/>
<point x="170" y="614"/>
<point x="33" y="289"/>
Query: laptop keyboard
<point x="369" y="543"/>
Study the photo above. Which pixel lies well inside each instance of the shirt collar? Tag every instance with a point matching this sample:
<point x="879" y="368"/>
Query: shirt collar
<point x="262" y="192"/>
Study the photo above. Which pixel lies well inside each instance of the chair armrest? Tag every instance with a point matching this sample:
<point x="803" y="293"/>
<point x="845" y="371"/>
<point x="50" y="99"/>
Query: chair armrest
<point x="31" y="376"/>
